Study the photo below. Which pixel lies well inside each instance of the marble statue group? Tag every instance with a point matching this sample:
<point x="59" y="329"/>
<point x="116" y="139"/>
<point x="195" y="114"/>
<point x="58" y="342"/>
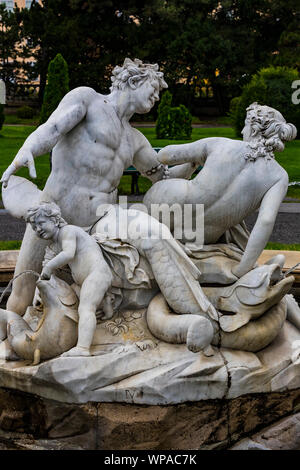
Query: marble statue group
<point x="137" y="314"/>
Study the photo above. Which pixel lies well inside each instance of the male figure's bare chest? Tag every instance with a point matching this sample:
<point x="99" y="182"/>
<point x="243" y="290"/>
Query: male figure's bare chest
<point x="109" y="134"/>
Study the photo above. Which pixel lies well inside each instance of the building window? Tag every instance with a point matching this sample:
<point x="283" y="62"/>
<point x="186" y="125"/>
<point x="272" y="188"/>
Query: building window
<point x="9" y="4"/>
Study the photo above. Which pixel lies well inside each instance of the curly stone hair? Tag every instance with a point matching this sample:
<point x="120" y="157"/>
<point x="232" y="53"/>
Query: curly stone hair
<point x="269" y="130"/>
<point x="46" y="209"/>
<point x="135" y="72"/>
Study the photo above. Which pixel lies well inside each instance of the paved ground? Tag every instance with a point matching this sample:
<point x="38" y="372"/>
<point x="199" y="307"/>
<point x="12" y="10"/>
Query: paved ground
<point x="10" y="228"/>
<point x="286" y="230"/>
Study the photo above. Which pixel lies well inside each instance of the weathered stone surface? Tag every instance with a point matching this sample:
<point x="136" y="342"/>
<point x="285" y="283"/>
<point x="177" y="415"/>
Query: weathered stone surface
<point x="167" y="374"/>
<point x="31" y="422"/>
<point x="186" y="426"/>
<point x="284" y="435"/>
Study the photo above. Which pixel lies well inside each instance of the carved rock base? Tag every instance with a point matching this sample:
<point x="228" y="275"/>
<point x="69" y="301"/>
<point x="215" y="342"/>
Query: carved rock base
<point x="31" y="422"/>
<point x="283" y="435"/>
<point x="121" y="370"/>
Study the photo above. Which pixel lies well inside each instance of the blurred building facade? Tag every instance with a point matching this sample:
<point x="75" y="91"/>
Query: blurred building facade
<point x="10" y="4"/>
<point x="25" y="93"/>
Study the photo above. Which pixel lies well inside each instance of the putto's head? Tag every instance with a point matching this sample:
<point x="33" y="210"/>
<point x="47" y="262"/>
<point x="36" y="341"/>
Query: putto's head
<point x="144" y="80"/>
<point x="267" y="124"/>
<point x="45" y="220"/>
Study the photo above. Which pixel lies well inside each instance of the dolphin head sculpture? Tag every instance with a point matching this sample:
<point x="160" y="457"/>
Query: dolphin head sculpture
<point x="252" y="295"/>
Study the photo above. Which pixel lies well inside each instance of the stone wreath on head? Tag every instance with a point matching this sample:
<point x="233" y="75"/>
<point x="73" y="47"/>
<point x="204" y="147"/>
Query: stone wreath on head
<point x="269" y="131"/>
<point x="135" y="72"/>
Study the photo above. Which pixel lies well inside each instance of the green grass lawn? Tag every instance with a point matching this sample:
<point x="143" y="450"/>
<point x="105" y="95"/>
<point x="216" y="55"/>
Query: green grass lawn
<point x="10" y="245"/>
<point x="282" y="246"/>
<point x="14" y="119"/>
<point x="16" y="244"/>
<point x="12" y="138"/>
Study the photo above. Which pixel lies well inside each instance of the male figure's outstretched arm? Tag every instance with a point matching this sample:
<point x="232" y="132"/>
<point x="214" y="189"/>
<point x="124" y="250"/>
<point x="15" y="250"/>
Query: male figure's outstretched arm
<point x="147" y="162"/>
<point x="71" y="110"/>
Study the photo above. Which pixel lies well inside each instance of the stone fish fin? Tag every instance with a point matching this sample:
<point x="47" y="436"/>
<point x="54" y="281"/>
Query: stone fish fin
<point x="67" y="301"/>
<point x="72" y="314"/>
<point x="249" y="285"/>
<point x="230" y="323"/>
<point x="67" y="297"/>
<point x="20" y="195"/>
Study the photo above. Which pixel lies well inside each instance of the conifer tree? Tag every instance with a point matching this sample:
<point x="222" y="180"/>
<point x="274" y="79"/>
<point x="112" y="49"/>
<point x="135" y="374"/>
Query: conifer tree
<point x="56" y="88"/>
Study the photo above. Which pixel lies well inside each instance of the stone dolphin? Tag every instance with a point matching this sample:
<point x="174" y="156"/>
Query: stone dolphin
<point x="252" y="295"/>
<point x="57" y="329"/>
<point x="256" y="309"/>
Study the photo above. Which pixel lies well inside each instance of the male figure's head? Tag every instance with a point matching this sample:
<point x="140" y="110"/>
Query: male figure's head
<point x="46" y="220"/>
<point x="268" y="126"/>
<point x="143" y="81"/>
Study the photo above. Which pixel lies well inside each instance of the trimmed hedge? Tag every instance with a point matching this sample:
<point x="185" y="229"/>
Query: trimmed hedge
<point x="57" y="86"/>
<point x="26" y="112"/>
<point x="173" y="122"/>
<point x="271" y="86"/>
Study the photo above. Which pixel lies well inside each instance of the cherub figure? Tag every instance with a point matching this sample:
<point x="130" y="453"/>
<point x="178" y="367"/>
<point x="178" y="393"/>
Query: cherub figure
<point x="88" y="267"/>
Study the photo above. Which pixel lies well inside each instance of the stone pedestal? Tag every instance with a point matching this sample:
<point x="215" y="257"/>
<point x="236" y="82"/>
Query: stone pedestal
<point x="31" y="422"/>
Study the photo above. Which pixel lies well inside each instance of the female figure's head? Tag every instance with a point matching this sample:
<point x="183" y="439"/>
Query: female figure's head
<point x="266" y="130"/>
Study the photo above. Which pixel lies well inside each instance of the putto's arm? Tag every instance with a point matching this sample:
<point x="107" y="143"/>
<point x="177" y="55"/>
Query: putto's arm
<point x="263" y="227"/>
<point x="64" y="257"/>
<point x="68" y="114"/>
<point x="147" y="163"/>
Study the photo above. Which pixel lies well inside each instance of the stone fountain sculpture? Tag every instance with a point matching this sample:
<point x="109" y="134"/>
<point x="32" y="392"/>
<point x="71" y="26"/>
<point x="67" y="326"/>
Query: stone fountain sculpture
<point x="124" y="310"/>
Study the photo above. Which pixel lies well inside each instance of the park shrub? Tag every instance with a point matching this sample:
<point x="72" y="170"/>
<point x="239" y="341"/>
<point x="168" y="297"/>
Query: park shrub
<point x="234" y="103"/>
<point x="56" y="88"/>
<point x="26" y="112"/>
<point x="2" y="117"/>
<point x="173" y="122"/>
<point x="271" y="86"/>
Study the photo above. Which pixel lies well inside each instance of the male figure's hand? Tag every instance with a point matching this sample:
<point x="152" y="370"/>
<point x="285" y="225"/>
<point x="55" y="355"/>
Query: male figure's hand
<point x="163" y="156"/>
<point x="23" y="158"/>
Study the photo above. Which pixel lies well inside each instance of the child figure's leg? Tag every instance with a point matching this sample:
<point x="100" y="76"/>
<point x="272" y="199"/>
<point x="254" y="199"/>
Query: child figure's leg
<point x="92" y="292"/>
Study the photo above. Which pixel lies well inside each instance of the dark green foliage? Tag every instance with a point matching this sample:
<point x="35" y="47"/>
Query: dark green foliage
<point x="173" y="122"/>
<point x="234" y="103"/>
<point x="163" y="116"/>
<point x="2" y="117"/>
<point x="56" y="88"/>
<point x="26" y="112"/>
<point x="10" y="35"/>
<point x="271" y="86"/>
<point x="193" y="41"/>
<point x="289" y="46"/>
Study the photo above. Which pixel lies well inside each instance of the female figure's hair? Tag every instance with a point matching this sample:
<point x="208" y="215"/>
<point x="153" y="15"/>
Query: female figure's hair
<point x="269" y="131"/>
<point x="46" y="209"/>
<point x="135" y="72"/>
